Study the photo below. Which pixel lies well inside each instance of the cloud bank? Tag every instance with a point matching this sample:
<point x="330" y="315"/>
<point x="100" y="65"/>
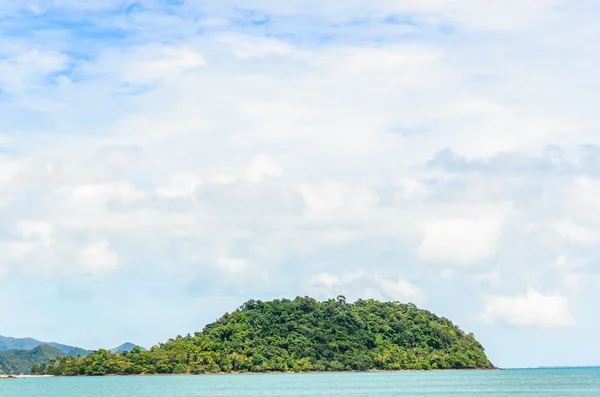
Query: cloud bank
<point x="196" y="154"/>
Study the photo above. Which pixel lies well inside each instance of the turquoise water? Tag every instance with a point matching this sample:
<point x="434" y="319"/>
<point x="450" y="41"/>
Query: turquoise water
<point x="537" y="382"/>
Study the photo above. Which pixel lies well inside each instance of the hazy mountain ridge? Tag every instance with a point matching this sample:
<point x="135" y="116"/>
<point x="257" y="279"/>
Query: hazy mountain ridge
<point x="125" y="347"/>
<point x="9" y="343"/>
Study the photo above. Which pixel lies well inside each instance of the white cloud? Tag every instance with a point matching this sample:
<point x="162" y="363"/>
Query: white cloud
<point x="26" y="70"/>
<point x="257" y="47"/>
<point x="448" y="273"/>
<point x="327" y="197"/>
<point x="490" y="278"/>
<point x="180" y="185"/>
<point x="119" y="158"/>
<point x="232" y="265"/>
<point x="367" y="285"/>
<point x="40" y="6"/>
<point x="400" y="290"/>
<point x="473" y="14"/>
<point x="9" y="169"/>
<point x="260" y="168"/>
<point x="336" y="197"/>
<point x="58" y="256"/>
<point x="326" y="281"/>
<point x="97" y="258"/>
<point x="509" y="14"/>
<point x="532" y="309"/>
<point x="576" y="233"/>
<point x="583" y="195"/>
<point x="572" y="272"/>
<point x="34" y="229"/>
<point x="461" y="241"/>
<point x="568" y="263"/>
<point x="494" y="16"/>
<point x="145" y="64"/>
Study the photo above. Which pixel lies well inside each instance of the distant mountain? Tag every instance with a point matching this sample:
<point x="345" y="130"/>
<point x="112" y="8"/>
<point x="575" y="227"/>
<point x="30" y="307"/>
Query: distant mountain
<point x="70" y="350"/>
<point x="21" y="361"/>
<point x="8" y="343"/>
<point x="125" y="347"/>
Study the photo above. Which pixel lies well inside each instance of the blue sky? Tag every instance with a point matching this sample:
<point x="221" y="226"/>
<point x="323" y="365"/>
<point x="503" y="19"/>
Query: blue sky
<point x="163" y="161"/>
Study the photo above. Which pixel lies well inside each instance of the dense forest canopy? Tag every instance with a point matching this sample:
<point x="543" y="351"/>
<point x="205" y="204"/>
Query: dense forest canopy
<point x="299" y="335"/>
<point x="21" y="361"/>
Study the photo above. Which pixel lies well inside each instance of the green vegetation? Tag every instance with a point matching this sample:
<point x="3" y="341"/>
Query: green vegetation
<point x="21" y="361"/>
<point x="299" y="335"/>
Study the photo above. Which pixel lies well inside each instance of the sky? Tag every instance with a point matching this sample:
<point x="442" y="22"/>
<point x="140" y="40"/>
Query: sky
<point x="163" y="161"/>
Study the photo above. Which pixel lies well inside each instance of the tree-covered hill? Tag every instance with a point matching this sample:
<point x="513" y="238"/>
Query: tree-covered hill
<point x="300" y="335"/>
<point x="21" y="361"/>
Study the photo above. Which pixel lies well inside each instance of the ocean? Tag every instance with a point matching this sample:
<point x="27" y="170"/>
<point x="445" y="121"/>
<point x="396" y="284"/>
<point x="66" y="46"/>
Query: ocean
<point x="518" y="382"/>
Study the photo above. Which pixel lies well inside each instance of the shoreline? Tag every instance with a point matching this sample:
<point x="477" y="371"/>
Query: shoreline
<point x="284" y="373"/>
<point x="9" y="376"/>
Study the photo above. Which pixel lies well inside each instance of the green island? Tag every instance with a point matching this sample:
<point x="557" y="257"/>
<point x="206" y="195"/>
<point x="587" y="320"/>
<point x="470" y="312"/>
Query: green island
<point x="300" y="335"/>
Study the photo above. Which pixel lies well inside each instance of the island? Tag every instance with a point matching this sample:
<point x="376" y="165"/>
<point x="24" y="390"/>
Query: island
<point x="299" y="335"/>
